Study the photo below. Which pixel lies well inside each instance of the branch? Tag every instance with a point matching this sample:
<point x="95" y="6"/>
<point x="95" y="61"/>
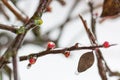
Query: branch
<point x="19" y="38"/>
<point x="15" y="12"/>
<point x="13" y="48"/>
<point x="93" y="20"/>
<point x="8" y="28"/>
<point x="30" y="24"/>
<point x="59" y="51"/>
<point x="62" y="2"/>
<point x="3" y="12"/>
<point x="90" y="35"/>
<point x="15" y="66"/>
<point x="100" y="58"/>
<point x="93" y="26"/>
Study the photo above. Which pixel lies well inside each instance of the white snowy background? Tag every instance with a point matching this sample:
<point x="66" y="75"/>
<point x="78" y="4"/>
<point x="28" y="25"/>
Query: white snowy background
<point x="57" y="67"/>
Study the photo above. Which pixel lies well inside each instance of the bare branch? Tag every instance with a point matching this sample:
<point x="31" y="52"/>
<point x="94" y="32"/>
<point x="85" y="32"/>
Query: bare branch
<point x="8" y="28"/>
<point x="100" y="58"/>
<point x="15" y="12"/>
<point x="59" y="51"/>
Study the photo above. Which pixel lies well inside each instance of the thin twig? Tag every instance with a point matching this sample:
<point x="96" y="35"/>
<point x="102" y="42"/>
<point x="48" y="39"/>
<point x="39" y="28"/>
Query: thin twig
<point x="100" y="59"/>
<point x="59" y="51"/>
<point x="15" y="12"/>
<point x="13" y="48"/>
<point x="15" y="70"/>
<point x="92" y="39"/>
<point x="3" y="12"/>
<point x="93" y="21"/>
<point x="19" y="38"/>
<point x="93" y="26"/>
<point x="62" y="2"/>
<point x="8" y="28"/>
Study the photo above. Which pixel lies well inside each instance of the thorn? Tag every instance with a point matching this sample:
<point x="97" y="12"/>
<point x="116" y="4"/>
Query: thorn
<point x="113" y="44"/>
